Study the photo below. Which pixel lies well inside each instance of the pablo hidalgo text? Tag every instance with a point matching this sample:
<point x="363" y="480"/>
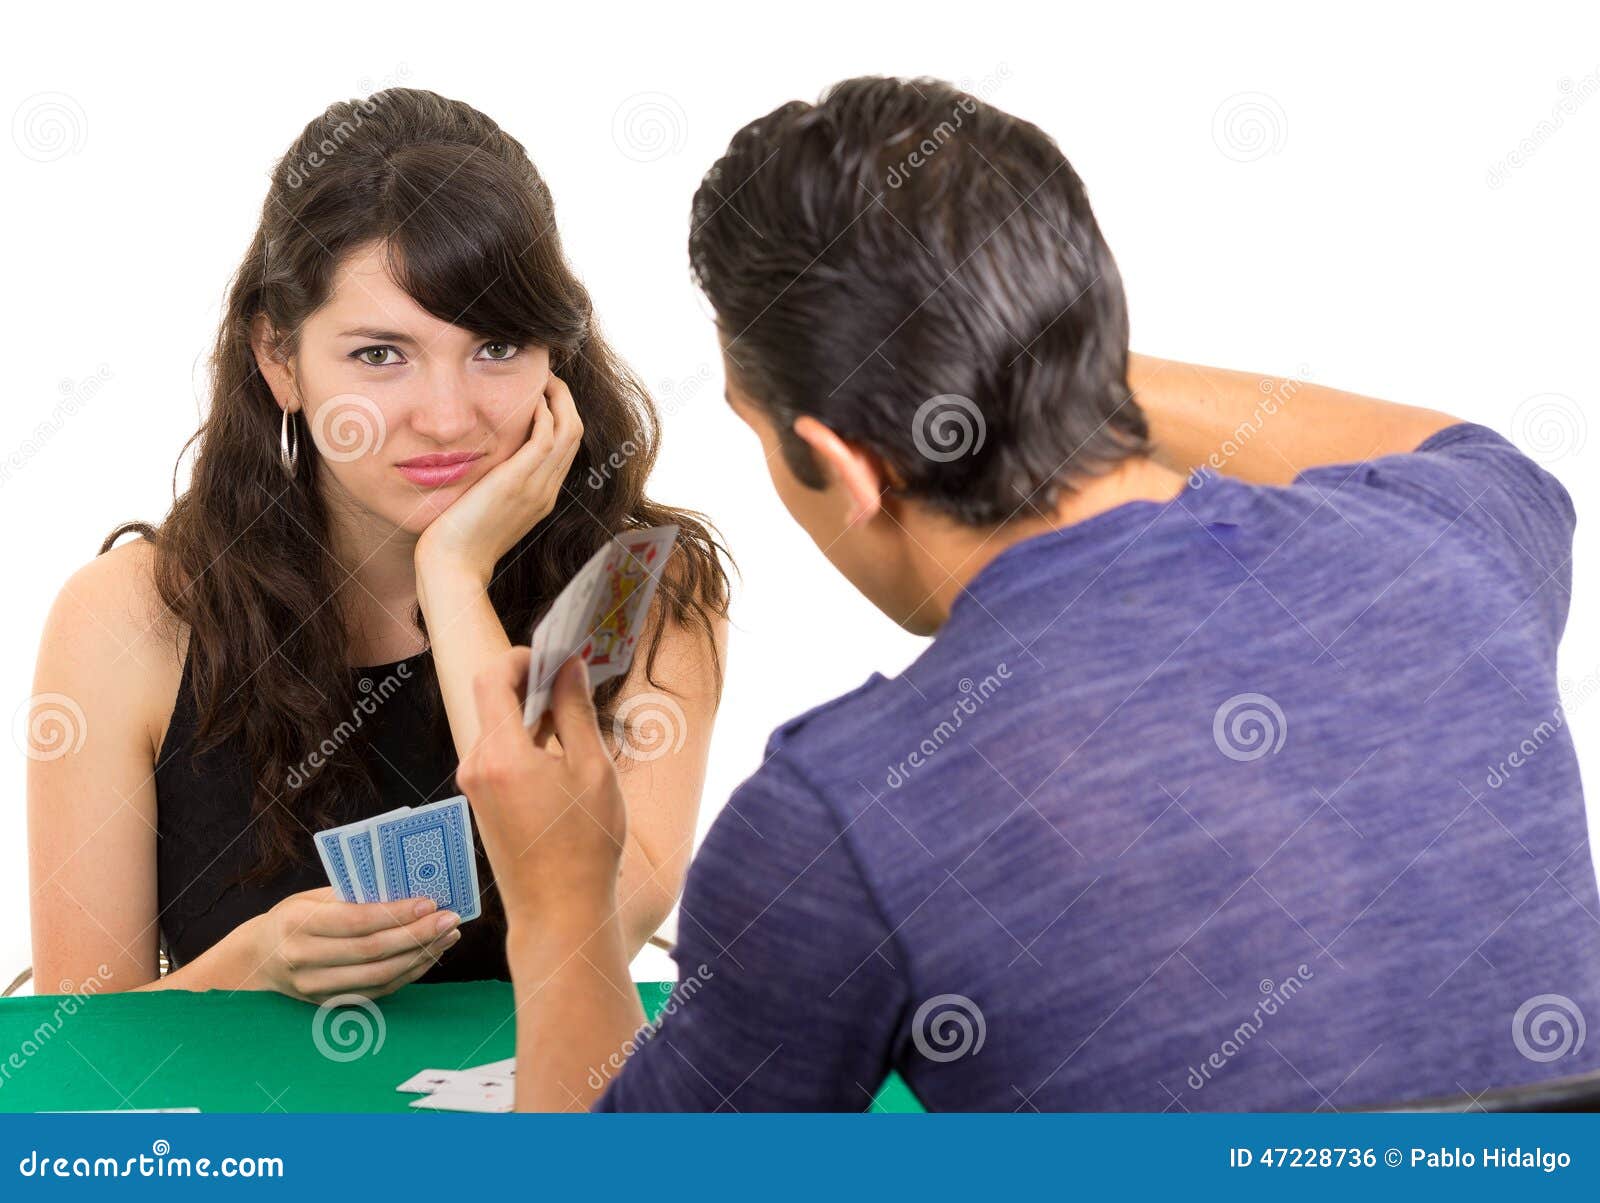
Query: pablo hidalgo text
<point x="1492" y="1159"/>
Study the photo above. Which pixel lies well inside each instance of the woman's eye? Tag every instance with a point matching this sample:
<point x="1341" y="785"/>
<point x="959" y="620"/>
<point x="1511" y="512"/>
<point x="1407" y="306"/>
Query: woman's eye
<point x="377" y="357"/>
<point x="499" y="349"/>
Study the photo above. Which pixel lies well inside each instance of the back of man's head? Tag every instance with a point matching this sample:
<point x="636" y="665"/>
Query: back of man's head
<point x="921" y="272"/>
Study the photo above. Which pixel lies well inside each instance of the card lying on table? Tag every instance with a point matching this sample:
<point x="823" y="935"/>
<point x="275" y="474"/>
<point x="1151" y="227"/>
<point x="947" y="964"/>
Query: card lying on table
<point x="490" y="1087"/>
<point x="413" y="852"/>
<point x="600" y="614"/>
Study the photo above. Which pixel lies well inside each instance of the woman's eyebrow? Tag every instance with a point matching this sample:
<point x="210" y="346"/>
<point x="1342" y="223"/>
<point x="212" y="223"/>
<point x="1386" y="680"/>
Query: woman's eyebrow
<point x="391" y="336"/>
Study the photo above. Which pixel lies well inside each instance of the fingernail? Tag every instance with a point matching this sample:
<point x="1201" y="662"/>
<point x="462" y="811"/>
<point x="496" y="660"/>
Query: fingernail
<point x="447" y="920"/>
<point x="424" y="905"/>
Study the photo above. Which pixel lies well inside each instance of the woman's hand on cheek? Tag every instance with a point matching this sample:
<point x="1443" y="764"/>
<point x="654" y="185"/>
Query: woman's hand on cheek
<point x="486" y="521"/>
<point x="552" y="822"/>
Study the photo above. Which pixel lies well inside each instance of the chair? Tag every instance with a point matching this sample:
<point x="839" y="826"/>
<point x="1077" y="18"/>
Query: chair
<point x="1580" y="1092"/>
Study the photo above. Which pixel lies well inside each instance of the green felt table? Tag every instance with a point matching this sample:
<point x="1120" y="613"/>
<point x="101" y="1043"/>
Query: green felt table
<point x="254" y="1051"/>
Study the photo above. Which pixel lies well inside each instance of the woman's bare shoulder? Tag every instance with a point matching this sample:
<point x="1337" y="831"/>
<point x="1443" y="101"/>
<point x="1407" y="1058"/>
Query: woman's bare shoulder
<point x="109" y="628"/>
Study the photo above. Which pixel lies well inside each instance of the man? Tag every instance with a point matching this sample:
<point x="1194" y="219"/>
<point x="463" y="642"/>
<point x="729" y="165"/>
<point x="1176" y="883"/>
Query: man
<point x="1192" y="801"/>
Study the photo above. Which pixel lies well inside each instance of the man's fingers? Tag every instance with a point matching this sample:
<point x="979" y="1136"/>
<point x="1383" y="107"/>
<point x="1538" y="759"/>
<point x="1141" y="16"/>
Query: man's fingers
<point x="499" y="689"/>
<point x="572" y="706"/>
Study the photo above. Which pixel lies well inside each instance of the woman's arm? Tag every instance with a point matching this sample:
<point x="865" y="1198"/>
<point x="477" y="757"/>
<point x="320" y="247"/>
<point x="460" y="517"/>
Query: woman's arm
<point x="1267" y="429"/>
<point x="91" y="784"/>
<point x="662" y="734"/>
<point x="108" y="673"/>
<point x="662" y="764"/>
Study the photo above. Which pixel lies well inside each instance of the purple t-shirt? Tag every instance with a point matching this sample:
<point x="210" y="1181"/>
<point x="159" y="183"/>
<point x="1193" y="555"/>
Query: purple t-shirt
<point x="1261" y="798"/>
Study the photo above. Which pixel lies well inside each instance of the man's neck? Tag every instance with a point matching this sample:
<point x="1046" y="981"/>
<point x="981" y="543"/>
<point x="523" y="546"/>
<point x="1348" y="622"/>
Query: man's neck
<point x="956" y="554"/>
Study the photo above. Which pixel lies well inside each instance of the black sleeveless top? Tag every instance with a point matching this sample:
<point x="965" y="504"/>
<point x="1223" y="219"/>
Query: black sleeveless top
<point x="205" y="841"/>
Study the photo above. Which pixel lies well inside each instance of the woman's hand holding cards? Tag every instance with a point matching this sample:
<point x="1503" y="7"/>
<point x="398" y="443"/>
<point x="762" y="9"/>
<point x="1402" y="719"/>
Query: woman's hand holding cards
<point x="313" y="945"/>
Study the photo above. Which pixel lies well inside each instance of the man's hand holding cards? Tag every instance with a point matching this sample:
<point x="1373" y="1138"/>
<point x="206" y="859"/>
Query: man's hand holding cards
<point x="600" y="614"/>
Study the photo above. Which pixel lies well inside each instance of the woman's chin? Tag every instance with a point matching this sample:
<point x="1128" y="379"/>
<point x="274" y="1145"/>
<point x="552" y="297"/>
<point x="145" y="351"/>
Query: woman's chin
<point x="423" y="512"/>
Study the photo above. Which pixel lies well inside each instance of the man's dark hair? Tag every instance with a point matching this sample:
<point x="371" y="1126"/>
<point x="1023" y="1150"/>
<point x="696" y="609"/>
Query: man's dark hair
<point x="921" y="272"/>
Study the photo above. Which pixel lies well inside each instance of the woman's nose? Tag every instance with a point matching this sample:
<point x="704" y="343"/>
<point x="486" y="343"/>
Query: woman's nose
<point x="446" y="412"/>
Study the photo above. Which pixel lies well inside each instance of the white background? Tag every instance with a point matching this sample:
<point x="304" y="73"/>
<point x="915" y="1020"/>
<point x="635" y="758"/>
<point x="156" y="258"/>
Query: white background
<point x="1281" y="189"/>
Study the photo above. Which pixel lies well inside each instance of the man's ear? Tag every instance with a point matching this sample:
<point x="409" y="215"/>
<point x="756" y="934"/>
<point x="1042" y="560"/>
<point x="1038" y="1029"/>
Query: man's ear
<point x="859" y="472"/>
<point x="273" y="366"/>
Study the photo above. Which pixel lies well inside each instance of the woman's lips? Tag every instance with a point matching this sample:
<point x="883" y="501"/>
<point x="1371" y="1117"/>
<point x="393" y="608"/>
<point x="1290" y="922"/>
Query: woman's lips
<point x="431" y="471"/>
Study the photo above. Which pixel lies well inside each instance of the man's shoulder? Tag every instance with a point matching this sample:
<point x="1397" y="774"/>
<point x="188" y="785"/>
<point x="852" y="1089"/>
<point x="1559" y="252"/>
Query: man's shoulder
<point x="829" y="730"/>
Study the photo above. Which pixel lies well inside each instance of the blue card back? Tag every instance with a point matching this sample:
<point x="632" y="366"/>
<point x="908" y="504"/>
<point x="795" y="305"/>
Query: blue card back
<point x="428" y="853"/>
<point x="334" y="863"/>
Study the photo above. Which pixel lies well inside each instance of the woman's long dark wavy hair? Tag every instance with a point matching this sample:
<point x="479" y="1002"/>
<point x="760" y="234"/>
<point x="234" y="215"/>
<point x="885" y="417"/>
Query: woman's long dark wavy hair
<point x="242" y="561"/>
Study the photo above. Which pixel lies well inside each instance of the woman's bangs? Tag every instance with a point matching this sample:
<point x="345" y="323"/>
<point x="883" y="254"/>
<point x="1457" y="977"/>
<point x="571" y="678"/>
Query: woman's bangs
<point x="459" y="244"/>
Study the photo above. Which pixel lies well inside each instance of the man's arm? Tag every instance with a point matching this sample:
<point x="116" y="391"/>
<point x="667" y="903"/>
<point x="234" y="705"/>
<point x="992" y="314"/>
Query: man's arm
<point x="577" y="1009"/>
<point x="1267" y="429"/>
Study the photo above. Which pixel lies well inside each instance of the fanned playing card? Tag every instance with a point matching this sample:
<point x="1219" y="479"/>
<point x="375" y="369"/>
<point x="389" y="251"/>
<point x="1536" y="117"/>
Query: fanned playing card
<point x="410" y="852"/>
<point x="600" y="614"/>
<point x="428" y="853"/>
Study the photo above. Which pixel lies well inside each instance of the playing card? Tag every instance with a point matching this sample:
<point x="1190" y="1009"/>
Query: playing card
<point x="334" y="863"/>
<point x="428" y="1081"/>
<point x="487" y="1093"/>
<point x="354" y="881"/>
<point x="427" y="852"/>
<point x="357" y="848"/>
<point x="600" y="614"/>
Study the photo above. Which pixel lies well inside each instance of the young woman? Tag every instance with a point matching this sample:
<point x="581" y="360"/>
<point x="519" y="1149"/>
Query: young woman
<point x="416" y="437"/>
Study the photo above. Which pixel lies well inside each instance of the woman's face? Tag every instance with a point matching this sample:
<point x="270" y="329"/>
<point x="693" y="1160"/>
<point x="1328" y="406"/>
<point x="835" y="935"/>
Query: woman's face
<point x="407" y="412"/>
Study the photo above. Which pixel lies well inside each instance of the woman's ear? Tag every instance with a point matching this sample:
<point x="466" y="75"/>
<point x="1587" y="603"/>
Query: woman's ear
<point x="273" y="367"/>
<point x="862" y="476"/>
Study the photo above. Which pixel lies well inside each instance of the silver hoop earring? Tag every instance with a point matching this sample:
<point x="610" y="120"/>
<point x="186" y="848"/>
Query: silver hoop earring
<point x="289" y="445"/>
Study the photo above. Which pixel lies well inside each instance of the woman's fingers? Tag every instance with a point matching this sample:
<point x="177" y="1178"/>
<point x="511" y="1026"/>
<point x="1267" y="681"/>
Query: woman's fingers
<point x="379" y="945"/>
<point x="568" y="426"/>
<point x="326" y="981"/>
<point x="334" y="917"/>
